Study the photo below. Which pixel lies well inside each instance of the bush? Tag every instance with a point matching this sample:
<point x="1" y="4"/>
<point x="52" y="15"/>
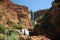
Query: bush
<point x="8" y="31"/>
<point x="12" y="37"/>
<point x="19" y="26"/>
<point x="2" y="28"/>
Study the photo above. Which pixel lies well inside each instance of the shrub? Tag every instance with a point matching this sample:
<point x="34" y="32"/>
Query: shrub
<point x="15" y="25"/>
<point x="7" y="31"/>
<point x="2" y="28"/>
<point x="12" y="37"/>
<point x="19" y="26"/>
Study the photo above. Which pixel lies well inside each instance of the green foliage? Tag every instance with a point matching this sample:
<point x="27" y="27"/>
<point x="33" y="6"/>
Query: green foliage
<point x="8" y="31"/>
<point x="12" y="37"/>
<point x="15" y="25"/>
<point x="2" y="28"/>
<point x="37" y="26"/>
<point x="18" y="26"/>
<point x="39" y="21"/>
<point x="40" y="17"/>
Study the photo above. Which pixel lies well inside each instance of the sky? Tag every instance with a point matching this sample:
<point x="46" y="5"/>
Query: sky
<point x="34" y="5"/>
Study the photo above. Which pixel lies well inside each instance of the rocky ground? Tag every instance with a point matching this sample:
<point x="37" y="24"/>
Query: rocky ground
<point x="41" y="37"/>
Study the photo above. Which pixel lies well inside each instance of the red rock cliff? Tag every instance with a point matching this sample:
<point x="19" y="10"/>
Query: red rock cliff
<point x="14" y="13"/>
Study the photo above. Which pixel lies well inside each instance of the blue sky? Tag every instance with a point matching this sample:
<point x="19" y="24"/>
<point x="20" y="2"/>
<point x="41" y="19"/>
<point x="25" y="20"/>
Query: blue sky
<point x="34" y="4"/>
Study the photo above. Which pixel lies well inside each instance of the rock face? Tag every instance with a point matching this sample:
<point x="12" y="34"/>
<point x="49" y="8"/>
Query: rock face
<point x="54" y="20"/>
<point x="10" y="12"/>
<point x="39" y="13"/>
<point x="57" y="0"/>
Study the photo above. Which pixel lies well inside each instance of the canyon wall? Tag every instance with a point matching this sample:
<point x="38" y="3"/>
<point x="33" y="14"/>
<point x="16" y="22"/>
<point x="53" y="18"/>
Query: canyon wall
<point x="10" y="12"/>
<point x="51" y="19"/>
